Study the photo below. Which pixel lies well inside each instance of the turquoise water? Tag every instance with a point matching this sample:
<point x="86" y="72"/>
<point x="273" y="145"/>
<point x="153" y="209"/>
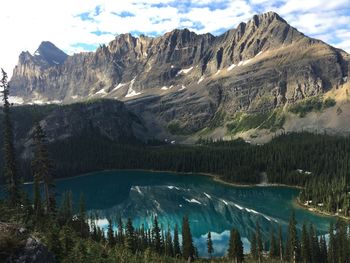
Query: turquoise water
<point x="211" y="206"/>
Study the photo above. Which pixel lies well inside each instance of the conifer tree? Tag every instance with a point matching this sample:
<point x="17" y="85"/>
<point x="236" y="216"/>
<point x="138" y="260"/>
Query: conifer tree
<point x="305" y="246"/>
<point x="280" y="243"/>
<point x="273" y="245"/>
<point x="210" y="248"/>
<point x="332" y="246"/>
<point x="37" y="205"/>
<point x="120" y="234"/>
<point x="42" y="167"/>
<point x="177" y="250"/>
<point x="259" y="242"/>
<point x="129" y="236"/>
<point x="110" y="234"/>
<point x="188" y="251"/>
<point x="169" y="249"/>
<point x="156" y="236"/>
<point x="10" y="165"/>
<point x="292" y="245"/>
<point x="235" y="249"/>
<point x="254" y="246"/>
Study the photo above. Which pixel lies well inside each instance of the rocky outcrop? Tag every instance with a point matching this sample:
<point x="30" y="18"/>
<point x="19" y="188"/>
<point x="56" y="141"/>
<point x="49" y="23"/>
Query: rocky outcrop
<point x="188" y="78"/>
<point x="17" y="246"/>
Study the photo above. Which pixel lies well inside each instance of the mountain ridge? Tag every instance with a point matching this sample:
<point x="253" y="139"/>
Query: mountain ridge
<point x="187" y="80"/>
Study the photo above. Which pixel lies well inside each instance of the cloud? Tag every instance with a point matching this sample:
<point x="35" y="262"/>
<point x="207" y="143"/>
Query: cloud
<point x="82" y="25"/>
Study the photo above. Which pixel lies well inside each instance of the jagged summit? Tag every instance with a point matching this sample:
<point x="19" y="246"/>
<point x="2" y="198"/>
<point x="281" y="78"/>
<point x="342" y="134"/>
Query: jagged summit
<point x="50" y="53"/>
<point x="186" y="78"/>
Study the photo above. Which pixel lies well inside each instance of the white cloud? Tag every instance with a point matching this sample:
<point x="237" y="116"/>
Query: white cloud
<point x="26" y="23"/>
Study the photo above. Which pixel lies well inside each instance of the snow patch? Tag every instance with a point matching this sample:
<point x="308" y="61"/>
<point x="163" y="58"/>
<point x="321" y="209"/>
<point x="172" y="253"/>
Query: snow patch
<point x="37" y="53"/>
<point x="183" y="87"/>
<point x="184" y="71"/>
<point x="258" y="54"/>
<point x="231" y="67"/>
<point x="39" y="102"/>
<point x="193" y="201"/>
<point x="16" y="100"/>
<point x="101" y="92"/>
<point x="54" y="61"/>
<point x="120" y="85"/>
<point x="131" y="92"/>
<point x="224" y="201"/>
<point x="166" y="88"/>
<point x="200" y="80"/>
<point x="173" y="187"/>
<point x="74" y="97"/>
<point x="345" y="79"/>
<point x="207" y="195"/>
<point x="217" y="72"/>
<point x="239" y="207"/>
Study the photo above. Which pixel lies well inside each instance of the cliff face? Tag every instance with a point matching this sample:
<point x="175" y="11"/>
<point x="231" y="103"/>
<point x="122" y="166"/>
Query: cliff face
<point x="185" y="78"/>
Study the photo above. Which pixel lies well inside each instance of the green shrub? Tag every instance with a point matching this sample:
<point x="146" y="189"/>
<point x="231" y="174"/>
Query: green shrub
<point x="311" y="104"/>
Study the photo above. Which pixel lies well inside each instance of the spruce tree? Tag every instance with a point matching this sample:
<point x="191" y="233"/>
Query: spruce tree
<point x="156" y="236"/>
<point x="280" y="243"/>
<point x="177" y="250"/>
<point x="332" y="246"/>
<point x="254" y="246"/>
<point x="43" y="167"/>
<point x="235" y="249"/>
<point x="188" y="251"/>
<point x="210" y="248"/>
<point x="110" y="234"/>
<point x="120" y="234"/>
<point x="273" y="245"/>
<point x="305" y="246"/>
<point x="129" y="239"/>
<point x="169" y="249"/>
<point x="292" y="245"/>
<point x="10" y="165"/>
<point x="259" y="242"/>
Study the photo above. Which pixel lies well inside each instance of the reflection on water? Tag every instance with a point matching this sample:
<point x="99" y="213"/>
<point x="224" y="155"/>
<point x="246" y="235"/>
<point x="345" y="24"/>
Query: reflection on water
<point x="211" y="206"/>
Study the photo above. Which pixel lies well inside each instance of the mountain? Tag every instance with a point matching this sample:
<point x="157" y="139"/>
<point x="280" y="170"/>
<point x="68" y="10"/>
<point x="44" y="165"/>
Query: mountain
<point x="182" y="83"/>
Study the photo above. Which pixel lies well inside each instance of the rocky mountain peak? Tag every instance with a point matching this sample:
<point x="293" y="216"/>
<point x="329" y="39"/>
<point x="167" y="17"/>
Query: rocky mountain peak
<point x="50" y="53"/>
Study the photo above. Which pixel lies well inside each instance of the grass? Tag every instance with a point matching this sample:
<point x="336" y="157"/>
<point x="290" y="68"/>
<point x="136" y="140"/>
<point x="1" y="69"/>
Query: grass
<point x="311" y="104"/>
<point x="272" y="121"/>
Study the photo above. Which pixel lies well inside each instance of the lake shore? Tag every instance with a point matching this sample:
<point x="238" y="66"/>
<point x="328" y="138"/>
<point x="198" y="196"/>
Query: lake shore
<point x="317" y="211"/>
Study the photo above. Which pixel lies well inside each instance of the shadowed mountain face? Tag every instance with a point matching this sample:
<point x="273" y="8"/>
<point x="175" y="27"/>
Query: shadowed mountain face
<point x="187" y="79"/>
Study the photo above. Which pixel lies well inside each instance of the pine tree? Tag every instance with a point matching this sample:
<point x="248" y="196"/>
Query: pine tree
<point x="42" y="167"/>
<point x="10" y="165"/>
<point x="273" y="245"/>
<point x="188" y="251"/>
<point x="210" y="248"/>
<point x="129" y="236"/>
<point x="235" y="249"/>
<point x="314" y="245"/>
<point x="323" y="250"/>
<point x="305" y="247"/>
<point x="332" y="250"/>
<point x="259" y="242"/>
<point x="292" y="245"/>
<point x="83" y="226"/>
<point x="169" y="249"/>
<point x="120" y="235"/>
<point x="280" y="243"/>
<point x="254" y="246"/>
<point x="156" y="236"/>
<point x="177" y="250"/>
<point x="37" y="205"/>
<point x="110" y="234"/>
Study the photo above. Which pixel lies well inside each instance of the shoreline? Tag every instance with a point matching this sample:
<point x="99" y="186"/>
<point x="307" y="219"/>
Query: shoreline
<point x="316" y="211"/>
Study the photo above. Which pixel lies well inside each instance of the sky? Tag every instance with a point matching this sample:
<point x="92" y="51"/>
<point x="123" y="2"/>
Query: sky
<point x="82" y="25"/>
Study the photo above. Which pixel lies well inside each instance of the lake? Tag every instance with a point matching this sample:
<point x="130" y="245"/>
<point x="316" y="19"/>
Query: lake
<point x="210" y="205"/>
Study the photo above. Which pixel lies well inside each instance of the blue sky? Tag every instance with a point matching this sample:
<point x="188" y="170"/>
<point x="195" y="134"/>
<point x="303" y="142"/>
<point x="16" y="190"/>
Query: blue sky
<point x="82" y="25"/>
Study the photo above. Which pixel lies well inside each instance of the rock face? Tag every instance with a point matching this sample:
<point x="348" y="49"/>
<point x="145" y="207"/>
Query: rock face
<point x="24" y="248"/>
<point x="186" y="79"/>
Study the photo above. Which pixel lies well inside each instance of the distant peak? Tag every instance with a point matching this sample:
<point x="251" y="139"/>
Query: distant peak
<point x="267" y="17"/>
<point x="50" y="53"/>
